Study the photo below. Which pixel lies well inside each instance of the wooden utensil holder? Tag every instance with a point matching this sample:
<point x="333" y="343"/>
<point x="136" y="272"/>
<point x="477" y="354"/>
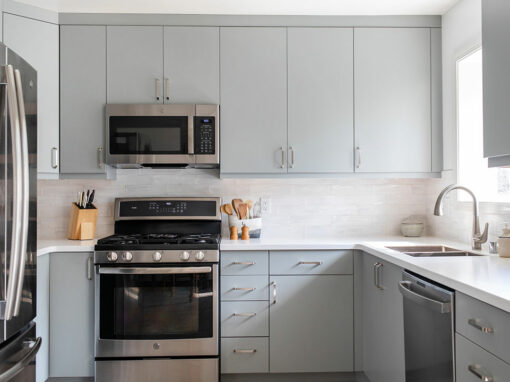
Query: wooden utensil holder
<point x="82" y="224"/>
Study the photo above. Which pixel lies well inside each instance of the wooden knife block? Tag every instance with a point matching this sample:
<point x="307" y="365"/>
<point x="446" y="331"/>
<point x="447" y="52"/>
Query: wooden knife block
<point x="82" y="224"/>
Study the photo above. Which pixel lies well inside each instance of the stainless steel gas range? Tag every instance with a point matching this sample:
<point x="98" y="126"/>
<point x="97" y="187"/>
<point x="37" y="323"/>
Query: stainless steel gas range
<point x="156" y="313"/>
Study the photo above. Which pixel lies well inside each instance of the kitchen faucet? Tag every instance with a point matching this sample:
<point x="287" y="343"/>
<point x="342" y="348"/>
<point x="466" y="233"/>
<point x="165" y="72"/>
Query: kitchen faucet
<point x="478" y="239"/>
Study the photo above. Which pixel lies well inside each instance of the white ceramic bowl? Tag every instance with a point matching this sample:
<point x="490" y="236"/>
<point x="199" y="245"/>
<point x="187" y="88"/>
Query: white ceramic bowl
<point x="412" y="229"/>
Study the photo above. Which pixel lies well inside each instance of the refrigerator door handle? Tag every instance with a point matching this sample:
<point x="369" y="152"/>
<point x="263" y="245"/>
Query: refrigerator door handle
<point x="23" y="362"/>
<point x="25" y="204"/>
<point x="17" y="186"/>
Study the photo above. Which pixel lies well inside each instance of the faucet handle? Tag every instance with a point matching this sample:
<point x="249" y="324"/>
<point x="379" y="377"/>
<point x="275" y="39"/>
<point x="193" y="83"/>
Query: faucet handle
<point x="482" y="238"/>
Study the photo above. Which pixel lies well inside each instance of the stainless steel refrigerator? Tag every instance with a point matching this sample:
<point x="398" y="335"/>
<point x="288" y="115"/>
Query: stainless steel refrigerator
<point x="18" y="217"/>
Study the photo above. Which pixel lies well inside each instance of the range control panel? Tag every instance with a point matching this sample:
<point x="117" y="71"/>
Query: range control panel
<point x="166" y="208"/>
<point x="205" y="135"/>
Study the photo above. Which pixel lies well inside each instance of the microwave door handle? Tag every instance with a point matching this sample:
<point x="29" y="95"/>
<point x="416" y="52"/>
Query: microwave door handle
<point x="153" y="271"/>
<point x="191" y="137"/>
<point x="17" y="188"/>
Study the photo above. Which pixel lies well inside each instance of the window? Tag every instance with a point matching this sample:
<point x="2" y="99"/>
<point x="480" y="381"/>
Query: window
<point x="489" y="184"/>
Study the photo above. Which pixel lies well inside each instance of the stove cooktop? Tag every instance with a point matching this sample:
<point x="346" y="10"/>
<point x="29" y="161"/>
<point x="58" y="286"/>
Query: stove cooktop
<point x="150" y="241"/>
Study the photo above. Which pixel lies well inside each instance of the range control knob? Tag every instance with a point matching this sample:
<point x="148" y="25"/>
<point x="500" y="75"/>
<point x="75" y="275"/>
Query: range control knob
<point x="127" y="256"/>
<point x="200" y="256"/>
<point x="112" y="256"/>
<point x="156" y="256"/>
<point x="184" y="256"/>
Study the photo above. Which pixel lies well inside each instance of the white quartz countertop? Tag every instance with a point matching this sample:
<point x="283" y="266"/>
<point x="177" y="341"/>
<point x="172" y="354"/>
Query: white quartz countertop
<point x="486" y="278"/>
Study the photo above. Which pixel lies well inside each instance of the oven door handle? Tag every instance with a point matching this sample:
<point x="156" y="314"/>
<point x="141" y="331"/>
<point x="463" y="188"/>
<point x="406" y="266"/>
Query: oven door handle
<point x="153" y="271"/>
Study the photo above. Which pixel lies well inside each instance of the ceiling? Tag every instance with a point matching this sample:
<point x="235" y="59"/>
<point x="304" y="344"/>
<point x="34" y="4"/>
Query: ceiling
<point x="250" y="7"/>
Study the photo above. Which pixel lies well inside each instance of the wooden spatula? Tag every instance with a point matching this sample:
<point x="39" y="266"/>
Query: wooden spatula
<point x="243" y="210"/>
<point x="235" y="205"/>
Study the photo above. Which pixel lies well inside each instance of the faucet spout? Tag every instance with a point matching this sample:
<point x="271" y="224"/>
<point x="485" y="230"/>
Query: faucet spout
<point x="478" y="238"/>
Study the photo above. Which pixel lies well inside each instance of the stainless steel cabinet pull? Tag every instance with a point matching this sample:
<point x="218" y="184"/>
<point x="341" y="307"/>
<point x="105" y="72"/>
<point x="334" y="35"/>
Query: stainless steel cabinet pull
<point x="274" y="292"/>
<point x="377" y="276"/>
<point x="438" y="306"/>
<point x="244" y="289"/>
<point x="243" y="263"/>
<point x="100" y="157"/>
<point x="245" y="351"/>
<point x="283" y="157"/>
<point x="157" y="90"/>
<point x="358" y="150"/>
<point x="167" y="89"/>
<point x="89" y="268"/>
<point x="484" y="329"/>
<point x="154" y="271"/>
<point x="54" y="157"/>
<point x="481" y="373"/>
<point x="244" y="314"/>
<point x="310" y="263"/>
<point x="291" y="157"/>
<point x="9" y="374"/>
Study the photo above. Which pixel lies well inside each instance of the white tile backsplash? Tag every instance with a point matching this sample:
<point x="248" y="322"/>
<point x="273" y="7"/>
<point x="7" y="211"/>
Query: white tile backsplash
<point x="299" y="207"/>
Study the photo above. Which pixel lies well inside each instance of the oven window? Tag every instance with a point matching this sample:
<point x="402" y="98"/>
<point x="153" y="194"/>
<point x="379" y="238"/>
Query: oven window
<point x="162" y="306"/>
<point x="148" y="135"/>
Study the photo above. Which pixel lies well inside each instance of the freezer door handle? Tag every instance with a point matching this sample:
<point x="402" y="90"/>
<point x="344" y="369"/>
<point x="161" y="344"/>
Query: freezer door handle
<point x="438" y="306"/>
<point x="18" y="367"/>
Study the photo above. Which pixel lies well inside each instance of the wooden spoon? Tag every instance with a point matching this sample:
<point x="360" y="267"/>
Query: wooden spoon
<point x="250" y="206"/>
<point x="243" y="210"/>
<point x="228" y="209"/>
<point x="235" y="205"/>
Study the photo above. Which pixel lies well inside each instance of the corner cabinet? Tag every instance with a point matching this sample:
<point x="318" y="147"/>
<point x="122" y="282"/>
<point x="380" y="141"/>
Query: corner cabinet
<point x="83" y="97"/>
<point x="383" y="321"/>
<point x="38" y="43"/>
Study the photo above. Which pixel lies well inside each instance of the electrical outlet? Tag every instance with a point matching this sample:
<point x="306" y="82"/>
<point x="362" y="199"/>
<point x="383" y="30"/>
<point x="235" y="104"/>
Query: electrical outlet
<point x="265" y="206"/>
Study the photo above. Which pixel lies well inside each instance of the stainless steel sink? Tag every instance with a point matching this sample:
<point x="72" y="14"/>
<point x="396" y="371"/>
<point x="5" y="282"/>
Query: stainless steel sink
<point x="431" y="251"/>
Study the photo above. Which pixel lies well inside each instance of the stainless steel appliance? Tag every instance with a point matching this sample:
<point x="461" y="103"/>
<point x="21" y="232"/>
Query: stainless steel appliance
<point x="18" y="216"/>
<point x="162" y="135"/>
<point x="428" y="330"/>
<point x="156" y="314"/>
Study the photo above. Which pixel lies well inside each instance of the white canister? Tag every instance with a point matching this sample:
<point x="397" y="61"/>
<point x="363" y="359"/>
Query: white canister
<point x="254" y="225"/>
<point x="504" y="243"/>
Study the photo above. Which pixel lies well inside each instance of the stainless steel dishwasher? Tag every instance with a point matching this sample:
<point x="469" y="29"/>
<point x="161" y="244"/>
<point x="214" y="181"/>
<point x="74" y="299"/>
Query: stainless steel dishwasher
<point x="428" y="330"/>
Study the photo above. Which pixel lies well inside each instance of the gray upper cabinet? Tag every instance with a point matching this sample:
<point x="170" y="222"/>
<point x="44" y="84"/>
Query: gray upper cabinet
<point x="83" y="97"/>
<point x="320" y="97"/>
<point x="383" y="322"/>
<point x="496" y="80"/>
<point x="191" y="65"/>
<point x="38" y="43"/>
<point x="135" y="64"/>
<point x="253" y="78"/>
<point x="392" y="71"/>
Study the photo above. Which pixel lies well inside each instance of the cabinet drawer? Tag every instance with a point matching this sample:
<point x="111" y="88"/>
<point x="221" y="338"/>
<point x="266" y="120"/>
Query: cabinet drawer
<point x="245" y="319"/>
<point x="244" y="263"/>
<point x="310" y="262"/>
<point x="484" y="324"/>
<point x="238" y="288"/>
<point x="244" y="355"/>
<point x="473" y="363"/>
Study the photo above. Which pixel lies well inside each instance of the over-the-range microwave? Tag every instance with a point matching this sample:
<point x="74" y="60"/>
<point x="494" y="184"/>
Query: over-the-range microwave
<point x="154" y="135"/>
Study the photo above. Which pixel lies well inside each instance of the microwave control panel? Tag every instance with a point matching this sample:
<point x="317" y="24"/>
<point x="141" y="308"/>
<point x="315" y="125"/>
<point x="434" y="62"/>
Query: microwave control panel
<point x="205" y="135"/>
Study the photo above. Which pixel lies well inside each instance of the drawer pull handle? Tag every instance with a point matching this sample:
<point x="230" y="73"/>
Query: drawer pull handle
<point x="274" y="292"/>
<point x="244" y="314"/>
<point x="244" y="289"/>
<point x="310" y="263"/>
<point x="484" y="329"/>
<point x="243" y="263"/>
<point x="245" y="351"/>
<point x="481" y="373"/>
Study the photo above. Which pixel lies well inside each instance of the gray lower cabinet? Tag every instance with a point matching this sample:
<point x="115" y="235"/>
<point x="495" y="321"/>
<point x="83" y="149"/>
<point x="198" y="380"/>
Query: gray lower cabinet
<point x="320" y="100"/>
<point x="392" y="77"/>
<point x="83" y="96"/>
<point x="191" y="65"/>
<point x="244" y="355"/>
<point x="38" y="43"/>
<point x="71" y="316"/>
<point x="383" y="322"/>
<point x="253" y="78"/>
<point x="135" y="64"/>
<point x="42" y="319"/>
<point x="311" y="324"/>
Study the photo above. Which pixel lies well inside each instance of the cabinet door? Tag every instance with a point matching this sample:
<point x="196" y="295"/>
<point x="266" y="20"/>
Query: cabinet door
<point x="311" y="324"/>
<point x="383" y="322"/>
<point x="71" y="316"/>
<point x="83" y="96"/>
<point x="496" y="78"/>
<point x="320" y="99"/>
<point x="253" y="73"/>
<point x="135" y="64"/>
<point x="37" y="42"/>
<point x="43" y="317"/>
<point x="192" y="65"/>
<point x="392" y="98"/>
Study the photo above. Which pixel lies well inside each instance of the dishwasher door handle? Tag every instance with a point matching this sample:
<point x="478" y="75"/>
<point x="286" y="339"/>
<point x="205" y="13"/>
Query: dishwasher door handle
<point x="438" y="306"/>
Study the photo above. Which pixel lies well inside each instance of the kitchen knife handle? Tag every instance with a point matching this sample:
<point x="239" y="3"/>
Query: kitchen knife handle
<point x="54" y="157"/>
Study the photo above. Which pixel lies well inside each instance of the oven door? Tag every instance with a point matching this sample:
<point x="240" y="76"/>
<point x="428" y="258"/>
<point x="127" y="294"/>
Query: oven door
<point x="149" y="134"/>
<point x="157" y="311"/>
